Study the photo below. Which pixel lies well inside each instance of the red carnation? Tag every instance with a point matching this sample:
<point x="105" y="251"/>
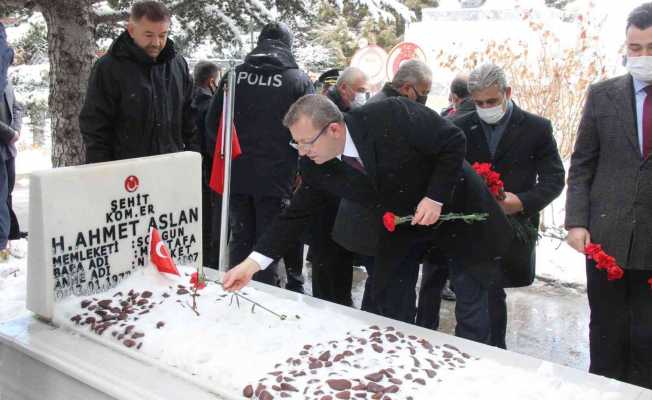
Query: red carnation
<point x="491" y="179"/>
<point x="196" y="282"/>
<point x="614" y="273"/>
<point x="604" y="261"/>
<point x="389" y="220"/>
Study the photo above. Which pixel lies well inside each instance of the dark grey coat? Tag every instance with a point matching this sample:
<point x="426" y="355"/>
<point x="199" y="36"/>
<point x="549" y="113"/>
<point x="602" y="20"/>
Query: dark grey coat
<point x="609" y="184"/>
<point x="8" y="130"/>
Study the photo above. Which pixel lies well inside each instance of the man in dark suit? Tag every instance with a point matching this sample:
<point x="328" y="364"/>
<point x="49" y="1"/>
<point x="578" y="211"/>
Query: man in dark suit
<point x="332" y="264"/>
<point x="395" y="155"/>
<point x="521" y="147"/>
<point x="609" y="202"/>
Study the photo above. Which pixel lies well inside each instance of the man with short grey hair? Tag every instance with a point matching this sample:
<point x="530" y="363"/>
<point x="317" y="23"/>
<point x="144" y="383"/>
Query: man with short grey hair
<point x="351" y="89"/>
<point x="521" y="147"/>
<point x="412" y="80"/>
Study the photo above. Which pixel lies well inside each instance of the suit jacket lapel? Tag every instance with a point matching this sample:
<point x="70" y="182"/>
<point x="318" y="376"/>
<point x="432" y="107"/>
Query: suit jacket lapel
<point x="478" y="139"/>
<point x="623" y="100"/>
<point x="512" y="132"/>
<point x="365" y="146"/>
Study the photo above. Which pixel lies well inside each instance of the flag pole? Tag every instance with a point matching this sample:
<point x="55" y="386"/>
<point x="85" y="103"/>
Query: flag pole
<point x="229" y="101"/>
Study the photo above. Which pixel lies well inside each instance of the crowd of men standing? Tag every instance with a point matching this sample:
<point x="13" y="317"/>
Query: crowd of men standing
<point x="322" y="169"/>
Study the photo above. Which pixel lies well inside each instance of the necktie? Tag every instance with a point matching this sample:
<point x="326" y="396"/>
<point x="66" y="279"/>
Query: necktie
<point x="356" y="164"/>
<point x="647" y="123"/>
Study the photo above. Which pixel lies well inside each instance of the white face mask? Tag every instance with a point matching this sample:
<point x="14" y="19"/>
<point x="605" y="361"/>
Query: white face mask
<point x="359" y="100"/>
<point x="640" y="68"/>
<point x="491" y="115"/>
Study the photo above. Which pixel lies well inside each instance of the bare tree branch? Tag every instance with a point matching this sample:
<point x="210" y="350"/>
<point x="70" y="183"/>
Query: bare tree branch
<point x="123" y="15"/>
<point x="111" y="17"/>
<point x="20" y="3"/>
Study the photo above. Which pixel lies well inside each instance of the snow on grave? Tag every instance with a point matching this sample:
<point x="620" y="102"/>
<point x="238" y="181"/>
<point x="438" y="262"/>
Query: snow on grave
<point x="262" y="343"/>
<point x="89" y="224"/>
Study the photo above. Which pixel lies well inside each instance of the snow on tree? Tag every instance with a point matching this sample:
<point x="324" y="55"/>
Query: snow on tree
<point x="73" y="27"/>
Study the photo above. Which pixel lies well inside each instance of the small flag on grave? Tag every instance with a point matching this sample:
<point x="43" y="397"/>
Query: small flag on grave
<point x="160" y="255"/>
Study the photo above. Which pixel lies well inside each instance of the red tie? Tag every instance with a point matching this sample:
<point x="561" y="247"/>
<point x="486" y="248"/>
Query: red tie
<point x="356" y="164"/>
<point x="647" y="122"/>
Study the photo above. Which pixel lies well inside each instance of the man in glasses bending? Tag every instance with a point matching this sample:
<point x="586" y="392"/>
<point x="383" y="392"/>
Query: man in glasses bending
<point x="391" y="156"/>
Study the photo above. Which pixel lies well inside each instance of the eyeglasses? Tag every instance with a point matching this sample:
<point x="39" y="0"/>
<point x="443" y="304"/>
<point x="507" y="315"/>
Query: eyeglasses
<point x="308" y="144"/>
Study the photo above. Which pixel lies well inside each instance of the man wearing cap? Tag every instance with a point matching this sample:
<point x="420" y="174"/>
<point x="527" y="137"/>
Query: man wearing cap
<point x="267" y="83"/>
<point x="327" y="80"/>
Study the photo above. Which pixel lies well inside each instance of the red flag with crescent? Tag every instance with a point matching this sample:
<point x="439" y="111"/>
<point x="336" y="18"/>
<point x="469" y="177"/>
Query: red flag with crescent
<point x="160" y="255"/>
<point x="217" y="171"/>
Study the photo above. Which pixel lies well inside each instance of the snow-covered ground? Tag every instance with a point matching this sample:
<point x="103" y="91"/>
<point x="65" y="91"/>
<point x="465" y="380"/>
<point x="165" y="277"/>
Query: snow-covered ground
<point x="13" y="275"/>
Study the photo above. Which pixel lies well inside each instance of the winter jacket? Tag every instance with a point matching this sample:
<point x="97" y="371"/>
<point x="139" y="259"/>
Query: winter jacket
<point x="6" y="58"/>
<point x="136" y="106"/>
<point x="267" y="84"/>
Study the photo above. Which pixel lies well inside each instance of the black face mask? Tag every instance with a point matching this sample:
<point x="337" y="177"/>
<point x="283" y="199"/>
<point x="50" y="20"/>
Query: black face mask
<point x="421" y="98"/>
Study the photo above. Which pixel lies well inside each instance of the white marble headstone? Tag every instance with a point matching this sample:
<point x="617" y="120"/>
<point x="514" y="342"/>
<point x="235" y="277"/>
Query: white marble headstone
<point x="89" y="225"/>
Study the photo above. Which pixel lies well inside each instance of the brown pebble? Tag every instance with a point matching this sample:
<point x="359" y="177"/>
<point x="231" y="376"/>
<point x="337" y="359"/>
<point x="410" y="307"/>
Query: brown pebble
<point x="430" y="373"/>
<point x="326" y="397"/>
<point x="248" y="391"/>
<point x="289" y="388"/>
<point x="184" y="291"/>
<point x="137" y="335"/>
<point x="325" y="356"/>
<point x="146" y="294"/>
<point x="375" y="377"/>
<point x="377" y="348"/>
<point x="142" y="302"/>
<point x="343" y="395"/>
<point x="160" y="324"/>
<point x="264" y="395"/>
<point x="129" y="343"/>
<point x="391" y="389"/>
<point x="76" y="319"/>
<point x="104" y="303"/>
<point x="85" y="303"/>
<point x="373" y="387"/>
<point x="396" y="381"/>
<point x="339" y="384"/>
<point x="419" y="381"/>
<point x="139" y="345"/>
<point x="391" y="338"/>
<point x="315" y="364"/>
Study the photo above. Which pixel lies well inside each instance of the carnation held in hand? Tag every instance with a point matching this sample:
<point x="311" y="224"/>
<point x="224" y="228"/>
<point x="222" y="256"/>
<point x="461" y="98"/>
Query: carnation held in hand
<point x="604" y="261"/>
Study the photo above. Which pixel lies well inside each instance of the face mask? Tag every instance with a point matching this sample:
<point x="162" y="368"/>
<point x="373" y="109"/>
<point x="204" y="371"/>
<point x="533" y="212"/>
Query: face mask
<point x="420" y="98"/>
<point x="359" y="100"/>
<point x="491" y="115"/>
<point x="640" y="68"/>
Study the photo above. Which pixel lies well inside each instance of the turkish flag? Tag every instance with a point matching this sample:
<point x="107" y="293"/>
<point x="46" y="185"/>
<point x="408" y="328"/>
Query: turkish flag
<point x="160" y="255"/>
<point x="217" y="171"/>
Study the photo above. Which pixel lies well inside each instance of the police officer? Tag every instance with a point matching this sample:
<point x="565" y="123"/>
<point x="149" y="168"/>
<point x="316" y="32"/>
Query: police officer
<point x="267" y="83"/>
